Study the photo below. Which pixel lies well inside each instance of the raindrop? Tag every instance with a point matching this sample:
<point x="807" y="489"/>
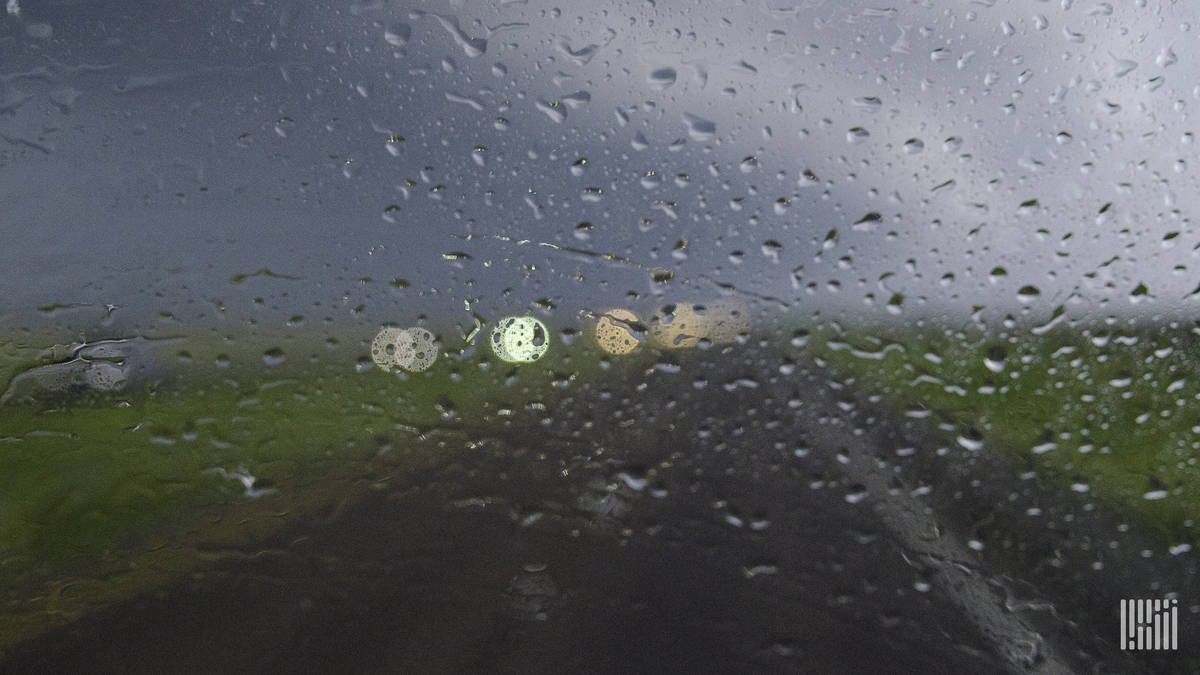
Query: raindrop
<point x="397" y="34"/>
<point x="867" y="221"/>
<point x="662" y="78"/>
<point x="914" y="146"/>
<point x="284" y="125"/>
<point x="970" y="440"/>
<point x="772" y="249"/>
<point x="577" y="100"/>
<point x="871" y="103"/>
<point x="995" y="359"/>
<point x="699" y="129"/>
<point x="1122" y="67"/>
<point x="472" y="47"/>
<point x="554" y="110"/>
<point x="661" y="275"/>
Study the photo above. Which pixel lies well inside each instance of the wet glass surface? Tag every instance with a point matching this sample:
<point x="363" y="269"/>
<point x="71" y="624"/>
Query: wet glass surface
<point x="596" y="337"/>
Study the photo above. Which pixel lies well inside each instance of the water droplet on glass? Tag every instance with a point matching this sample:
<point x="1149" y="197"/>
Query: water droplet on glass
<point x="995" y="359"/>
<point x="661" y="78"/>
<point x="284" y="125"/>
<point x="397" y="34"/>
<point x="1122" y="67"/>
<point x="556" y="111"/>
<point x="698" y="128"/>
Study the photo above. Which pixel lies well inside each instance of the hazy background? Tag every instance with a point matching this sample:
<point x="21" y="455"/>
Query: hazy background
<point x="820" y="155"/>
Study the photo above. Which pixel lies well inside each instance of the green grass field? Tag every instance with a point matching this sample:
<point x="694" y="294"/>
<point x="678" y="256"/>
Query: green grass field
<point x="104" y="491"/>
<point x="111" y="494"/>
<point x="1109" y="412"/>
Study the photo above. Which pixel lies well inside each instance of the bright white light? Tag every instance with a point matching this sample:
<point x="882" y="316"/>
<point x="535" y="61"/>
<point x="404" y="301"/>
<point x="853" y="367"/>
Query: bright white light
<point x="520" y="339"/>
<point x="412" y="349"/>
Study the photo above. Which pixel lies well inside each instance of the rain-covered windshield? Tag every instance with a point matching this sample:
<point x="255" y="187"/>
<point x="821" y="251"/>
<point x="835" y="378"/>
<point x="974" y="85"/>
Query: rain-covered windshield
<point x="519" y="336"/>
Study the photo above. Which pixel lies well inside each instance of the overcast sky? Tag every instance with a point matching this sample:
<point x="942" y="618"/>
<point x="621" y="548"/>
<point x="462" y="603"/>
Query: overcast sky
<point x="821" y="154"/>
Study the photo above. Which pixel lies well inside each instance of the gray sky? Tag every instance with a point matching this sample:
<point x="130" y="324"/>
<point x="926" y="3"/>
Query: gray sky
<point x="149" y="154"/>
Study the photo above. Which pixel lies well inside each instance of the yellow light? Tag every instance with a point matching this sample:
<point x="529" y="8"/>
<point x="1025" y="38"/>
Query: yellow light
<point x="614" y="332"/>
